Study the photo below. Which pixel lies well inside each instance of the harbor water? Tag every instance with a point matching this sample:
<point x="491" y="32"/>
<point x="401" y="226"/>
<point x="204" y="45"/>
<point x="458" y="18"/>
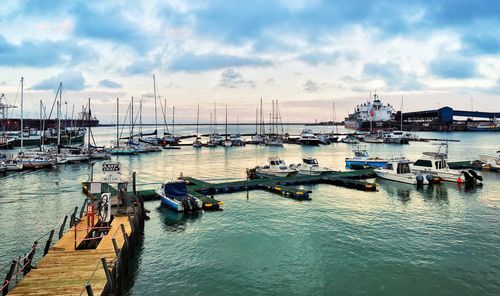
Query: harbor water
<point x="401" y="240"/>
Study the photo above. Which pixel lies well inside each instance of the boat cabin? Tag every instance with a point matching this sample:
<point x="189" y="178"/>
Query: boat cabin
<point x="432" y="161"/>
<point x="398" y="167"/>
<point x="310" y="161"/>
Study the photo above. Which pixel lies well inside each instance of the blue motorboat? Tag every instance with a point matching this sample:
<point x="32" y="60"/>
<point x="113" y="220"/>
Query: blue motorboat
<point x="362" y="160"/>
<point x="175" y="196"/>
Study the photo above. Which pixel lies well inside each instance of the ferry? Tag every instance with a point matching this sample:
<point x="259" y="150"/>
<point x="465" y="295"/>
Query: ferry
<point x="371" y="115"/>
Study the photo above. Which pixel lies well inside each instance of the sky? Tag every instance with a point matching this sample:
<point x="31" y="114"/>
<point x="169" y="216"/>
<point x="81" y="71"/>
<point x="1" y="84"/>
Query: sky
<point x="416" y="55"/>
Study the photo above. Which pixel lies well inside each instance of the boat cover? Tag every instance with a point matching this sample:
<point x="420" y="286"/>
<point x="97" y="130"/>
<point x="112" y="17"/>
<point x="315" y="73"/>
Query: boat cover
<point x="177" y="189"/>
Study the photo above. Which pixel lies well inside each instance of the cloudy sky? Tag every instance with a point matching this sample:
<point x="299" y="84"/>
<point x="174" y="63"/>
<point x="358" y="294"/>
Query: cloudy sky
<point x="303" y="53"/>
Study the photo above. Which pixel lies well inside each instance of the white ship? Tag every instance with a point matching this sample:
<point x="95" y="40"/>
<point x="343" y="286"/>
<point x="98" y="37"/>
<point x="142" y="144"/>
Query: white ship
<point x="371" y="115"/>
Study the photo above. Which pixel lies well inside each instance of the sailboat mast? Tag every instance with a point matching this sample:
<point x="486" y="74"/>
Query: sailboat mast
<point x="22" y="112"/>
<point x="140" y="116"/>
<point x="59" y="116"/>
<point x="215" y="118"/>
<point x="88" y="124"/>
<point x="156" y="112"/>
<point x="226" y="122"/>
<point x="173" y="118"/>
<point x="256" y="120"/>
<point x="117" y="122"/>
<point x="197" y="120"/>
<point x="401" y="113"/>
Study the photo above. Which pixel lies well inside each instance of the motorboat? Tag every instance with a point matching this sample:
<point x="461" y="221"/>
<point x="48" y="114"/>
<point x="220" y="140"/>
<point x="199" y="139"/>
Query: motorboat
<point x="308" y="138"/>
<point x="399" y="171"/>
<point x="436" y="163"/>
<point x="215" y="138"/>
<point x="275" y="167"/>
<point x="97" y="153"/>
<point x="373" y="139"/>
<point x="362" y="159"/>
<point x="350" y="139"/>
<point x="3" y="167"/>
<point x="125" y="150"/>
<point x="332" y="138"/>
<point x="491" y="161"/>
<point x="12" y="165"/>
<point x="73" y="154"/>
<point x="35" y="161"/>
<point x="324" y="139"/>
<point x="175" y="196"/>
<point x="395" y="137"/>
<point x="310" y="167"/>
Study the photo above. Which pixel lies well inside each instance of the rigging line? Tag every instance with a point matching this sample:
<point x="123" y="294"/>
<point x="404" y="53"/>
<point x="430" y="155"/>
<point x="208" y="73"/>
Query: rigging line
<point x="125" y="120"/>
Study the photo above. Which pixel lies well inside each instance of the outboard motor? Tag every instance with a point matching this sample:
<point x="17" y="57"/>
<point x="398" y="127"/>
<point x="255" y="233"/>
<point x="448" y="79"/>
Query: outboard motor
<point x="420" y="179"/>
<point x="468" y="178"/>
<point x="429" y="178"/>
<point x="475" y="175"/>
<point x="186" y="204"/>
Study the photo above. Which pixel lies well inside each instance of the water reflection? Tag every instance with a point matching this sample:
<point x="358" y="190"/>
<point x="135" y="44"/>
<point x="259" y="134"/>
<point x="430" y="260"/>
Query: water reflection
<point x="174" y="221"/>
<point x="395" y="189"/>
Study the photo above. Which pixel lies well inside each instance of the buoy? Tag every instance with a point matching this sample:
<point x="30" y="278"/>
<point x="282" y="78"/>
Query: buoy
<point x="459" y="180"/>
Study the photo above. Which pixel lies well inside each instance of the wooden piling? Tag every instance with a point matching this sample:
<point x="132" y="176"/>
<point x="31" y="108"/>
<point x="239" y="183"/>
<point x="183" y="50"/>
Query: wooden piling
<point x="8" y="277"/>
<point x="49" y="241"/>
<point x="61" y="230"/>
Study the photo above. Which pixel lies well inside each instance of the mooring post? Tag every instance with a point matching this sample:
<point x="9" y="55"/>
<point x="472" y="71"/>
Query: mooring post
<point x="49" y="241"/>
<point x="61" y="230"/>
<point x="136" y="217"/>
<point x="88" y="287"/>
<point x="29" y="259"/>
<point x="107" y="272"/>
<point x="73" y="218"/>
<point x="115" y="246"/>
<point x="134" y="186"/>
<point x="130" y="222"/>
<point x="83" y="209"/>
<point x="125" y="237"/>
<point x="8" y="277"/>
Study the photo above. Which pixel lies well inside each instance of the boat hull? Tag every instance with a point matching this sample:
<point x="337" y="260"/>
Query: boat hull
<point x="352" y="163"/>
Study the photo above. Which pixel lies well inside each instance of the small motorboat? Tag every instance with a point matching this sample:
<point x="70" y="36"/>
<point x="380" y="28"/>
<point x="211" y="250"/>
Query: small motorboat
<point x="276" y="167"/>
<point x="13" y="165"/>
<point x="361" y="159"/>
<point x="350" y="139"/>
<point x="395" y="137"/>
<point x="273" y="141"/>
<point x="197" y="143"/>
<point x="332" y="138"/>
<point x="436" y="163"/>
<point x="310" y="167"/>
<point x="373" y="139"/>
<point x="175" y="196"/>
<point x="491" y="161"/>
<point x="236" y="140"/>
<point x="399" y="171"/>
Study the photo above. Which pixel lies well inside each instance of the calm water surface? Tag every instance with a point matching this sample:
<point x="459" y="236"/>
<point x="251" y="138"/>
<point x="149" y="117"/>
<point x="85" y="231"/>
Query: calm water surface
<point x="441" y="240"/>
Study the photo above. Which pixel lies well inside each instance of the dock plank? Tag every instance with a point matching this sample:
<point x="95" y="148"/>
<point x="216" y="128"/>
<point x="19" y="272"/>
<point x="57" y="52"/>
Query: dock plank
<point x="66" y="271"/>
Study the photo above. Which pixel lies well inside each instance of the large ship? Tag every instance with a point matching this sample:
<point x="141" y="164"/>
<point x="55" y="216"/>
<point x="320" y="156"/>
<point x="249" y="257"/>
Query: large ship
<point x="371" y="115"/>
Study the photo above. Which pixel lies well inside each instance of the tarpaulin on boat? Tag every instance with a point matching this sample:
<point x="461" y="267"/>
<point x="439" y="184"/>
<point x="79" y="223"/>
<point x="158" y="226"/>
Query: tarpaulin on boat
<point x="175" y="189"/>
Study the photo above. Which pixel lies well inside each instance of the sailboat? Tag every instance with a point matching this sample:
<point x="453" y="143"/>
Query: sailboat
<point x="197" y="143"/>
<point x="258" y="138"/>
<point x="26" y="159"/>
<point x="227" y="142"/>
<point x="117" y="149"/>
<point x="273" y="138"/>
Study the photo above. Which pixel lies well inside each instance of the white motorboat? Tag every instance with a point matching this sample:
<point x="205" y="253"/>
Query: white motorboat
<point x="395" y="137"/>
<point x="373" y="139"/>
<point x="276" y="167"/>
<point x="350" y="139"/>
<point x="436" y="164"/>
<point x="73" y="154"/>
<point x="236" y="140"/>
<point x="491" y="160"/>
<point x="310" y="167"/>
<point x="13" y="165"/>
<point x="197" y="143"/>
<point x="175" y="196"/>
<point x="308" y="138"/>
<point x="399" y="171"/>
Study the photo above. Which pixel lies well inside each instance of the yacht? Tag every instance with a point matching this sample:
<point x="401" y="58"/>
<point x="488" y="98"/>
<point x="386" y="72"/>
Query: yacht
<point x="308" y="138"/>
<point x="436" y="163"/>
<point x="399" y="171"/>
<point x="276" y="167"/>
<point x="362" y="159"/>
<point x="310" y="166"/>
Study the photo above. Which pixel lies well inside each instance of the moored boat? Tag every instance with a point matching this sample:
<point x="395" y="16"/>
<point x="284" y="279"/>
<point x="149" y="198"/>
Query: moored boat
<point x="399" y="171"/>
<point x="310" y="167"/>
<point x="308" y="138"/>
<point x="175" y="196"/>
<point x="362" y="159"/>
<point x="275" y="167"/>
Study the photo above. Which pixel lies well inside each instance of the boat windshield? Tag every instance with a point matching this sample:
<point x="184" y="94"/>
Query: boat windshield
<point x="388" y="166"/>
<point x="403" y="168"/>
<point x="310" y="161"/>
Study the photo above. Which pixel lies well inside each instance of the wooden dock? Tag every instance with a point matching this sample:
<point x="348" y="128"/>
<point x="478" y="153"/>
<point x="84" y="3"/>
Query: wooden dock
<point x="94" y="264"/>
